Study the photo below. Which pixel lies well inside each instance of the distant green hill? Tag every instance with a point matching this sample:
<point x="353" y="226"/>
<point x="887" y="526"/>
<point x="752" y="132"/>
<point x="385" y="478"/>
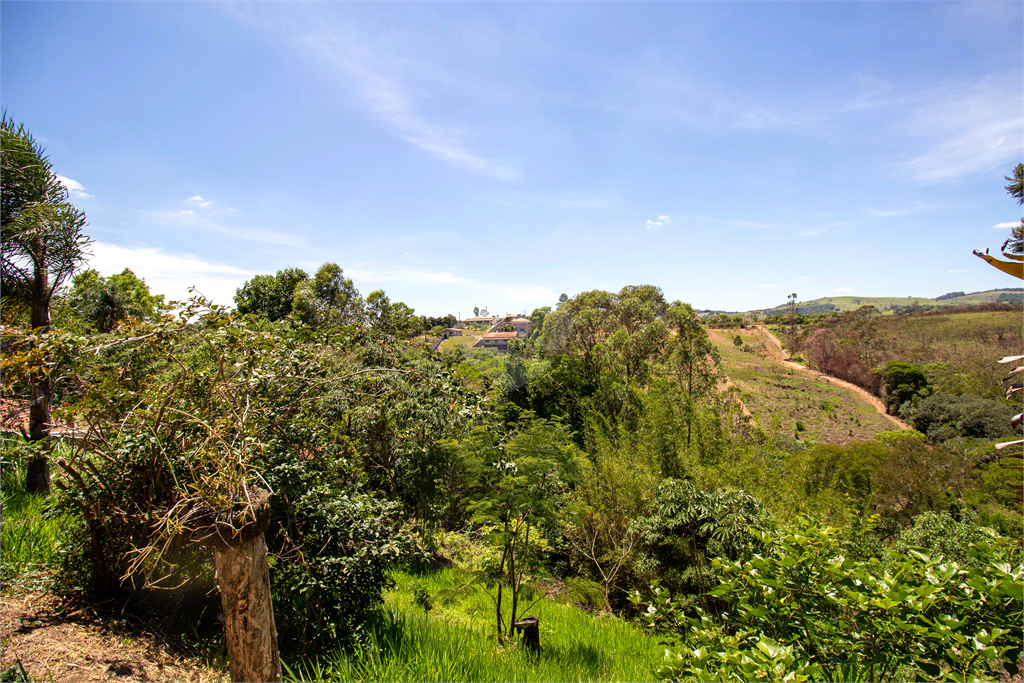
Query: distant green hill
<point x="885" y="304"/>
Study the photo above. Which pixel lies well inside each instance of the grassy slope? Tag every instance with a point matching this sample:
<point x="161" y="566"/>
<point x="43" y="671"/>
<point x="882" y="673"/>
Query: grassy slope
<point x="887" y="303"/>
<point x="465" y="341"/>
<point x="455" y="642"/>
<point x="774" y="393"/>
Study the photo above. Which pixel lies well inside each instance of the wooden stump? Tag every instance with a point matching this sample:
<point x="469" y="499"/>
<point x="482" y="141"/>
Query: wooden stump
<point x="243" y="576"/>
<point x="530" y="626"/>
<point x="244" y="581"/>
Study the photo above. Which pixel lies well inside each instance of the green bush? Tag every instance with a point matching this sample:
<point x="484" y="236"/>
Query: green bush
<point x="903" y="382"/>
<point x="804" y="611"/>
<point x="687" y="526"/>
<point x="943" y="416"/>
<point x="845" y="470"/>
<point x="938" y="535"/>
<point x="333" y="554"/>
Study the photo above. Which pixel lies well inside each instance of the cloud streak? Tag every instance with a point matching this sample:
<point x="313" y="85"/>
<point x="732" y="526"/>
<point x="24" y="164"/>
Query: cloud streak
<point x="942" y="132"/>
<point x="170" y="274"/>
<point x="448" y="289"/>
<point x="73" y="187"/>
<point x="381" y="89"/>
<point x="189" y="220"/>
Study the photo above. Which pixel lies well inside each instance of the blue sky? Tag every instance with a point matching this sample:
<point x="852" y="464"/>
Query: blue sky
<point x="497" y="155"/>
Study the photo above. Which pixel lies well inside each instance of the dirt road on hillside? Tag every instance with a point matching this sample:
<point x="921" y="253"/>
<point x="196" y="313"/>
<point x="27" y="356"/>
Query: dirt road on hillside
<point x="779" y="355"/>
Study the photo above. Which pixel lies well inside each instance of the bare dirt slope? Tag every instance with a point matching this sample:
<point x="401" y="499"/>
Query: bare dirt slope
<point x="780" y="356"/>
<point x="58" y="642"/>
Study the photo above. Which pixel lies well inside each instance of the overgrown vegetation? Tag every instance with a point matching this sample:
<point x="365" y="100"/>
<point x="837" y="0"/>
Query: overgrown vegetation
<point x="778" y="528"/>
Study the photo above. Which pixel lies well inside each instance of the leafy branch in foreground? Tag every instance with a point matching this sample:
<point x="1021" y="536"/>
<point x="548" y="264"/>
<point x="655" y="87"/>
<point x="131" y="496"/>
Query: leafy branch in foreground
<point x="806" y="612"/>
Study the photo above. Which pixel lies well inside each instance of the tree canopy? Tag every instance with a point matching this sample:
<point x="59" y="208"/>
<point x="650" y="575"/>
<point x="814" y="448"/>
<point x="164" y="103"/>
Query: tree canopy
<point x="270" y="295"/>
<point x="43" y="244"/>
<point x="328" y="299"/>
<point x="105" y="301"/>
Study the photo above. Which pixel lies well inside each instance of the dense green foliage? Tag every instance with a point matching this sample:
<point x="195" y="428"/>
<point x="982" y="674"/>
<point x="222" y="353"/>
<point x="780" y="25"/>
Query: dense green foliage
<point x="903" y="382"/>
<point x="596" y="458"/>
<point x="105" y="301"/>
<point x="270" y="295"/>
<point x="805" y="610"/>
<point x="943" y="416"/>
<point x="520" y="483"/>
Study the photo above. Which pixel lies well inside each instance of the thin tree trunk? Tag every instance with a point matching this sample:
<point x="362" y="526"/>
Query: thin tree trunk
<point x="244" y="580"/>
<point x="689" y="402"/>
<point x="515" y="585"/>
<point x="37" y="478"/>
<point x="501" y="624"/>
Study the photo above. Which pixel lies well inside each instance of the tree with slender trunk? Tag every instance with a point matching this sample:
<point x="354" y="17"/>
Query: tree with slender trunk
<point x="42" y="247"/>
<point x="693" y="360"/>
<point x="520" y="485"/>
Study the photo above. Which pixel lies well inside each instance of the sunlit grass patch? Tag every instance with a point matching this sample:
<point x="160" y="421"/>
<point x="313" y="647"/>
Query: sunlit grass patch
<point x="456" y="642"/>
<point x="29" y="532"/>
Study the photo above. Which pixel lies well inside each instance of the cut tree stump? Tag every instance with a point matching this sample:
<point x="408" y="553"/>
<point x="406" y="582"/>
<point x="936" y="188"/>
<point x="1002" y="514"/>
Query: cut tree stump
<point x="243" y="576"/>
<point x="530" y="626"/>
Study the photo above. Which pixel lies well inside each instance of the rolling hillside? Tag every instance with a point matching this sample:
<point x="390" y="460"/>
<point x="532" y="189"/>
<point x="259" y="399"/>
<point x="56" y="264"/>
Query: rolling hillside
<point x="889" y="304"/>
<point x="782" y="397"/>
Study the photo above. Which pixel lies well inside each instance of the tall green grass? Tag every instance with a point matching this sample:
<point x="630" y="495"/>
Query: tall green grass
<point x="456" y="642"/>
<point x="29" y="532"/>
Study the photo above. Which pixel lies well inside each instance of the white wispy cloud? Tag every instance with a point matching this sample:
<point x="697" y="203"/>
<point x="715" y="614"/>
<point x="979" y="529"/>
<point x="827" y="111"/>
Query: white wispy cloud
<point x="170" y="274"/>
<point x="189" y="220"/>
<point x="382" y="86"/>
<point x="73" y="187"/>
<point x="672" y="100"/>
<point x="409" y="275"/>
<point x="938" y="132"/>
<point x="447" y="290"/>
<point x="661" y="220"/>
<point x="910" y="209"/>
<point x="964" y="127"/>
<point x="665" y="219"/>
<point x="202" y="202"/>
<point x="1011" y="224"/>
<point x="693" y="221"/>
